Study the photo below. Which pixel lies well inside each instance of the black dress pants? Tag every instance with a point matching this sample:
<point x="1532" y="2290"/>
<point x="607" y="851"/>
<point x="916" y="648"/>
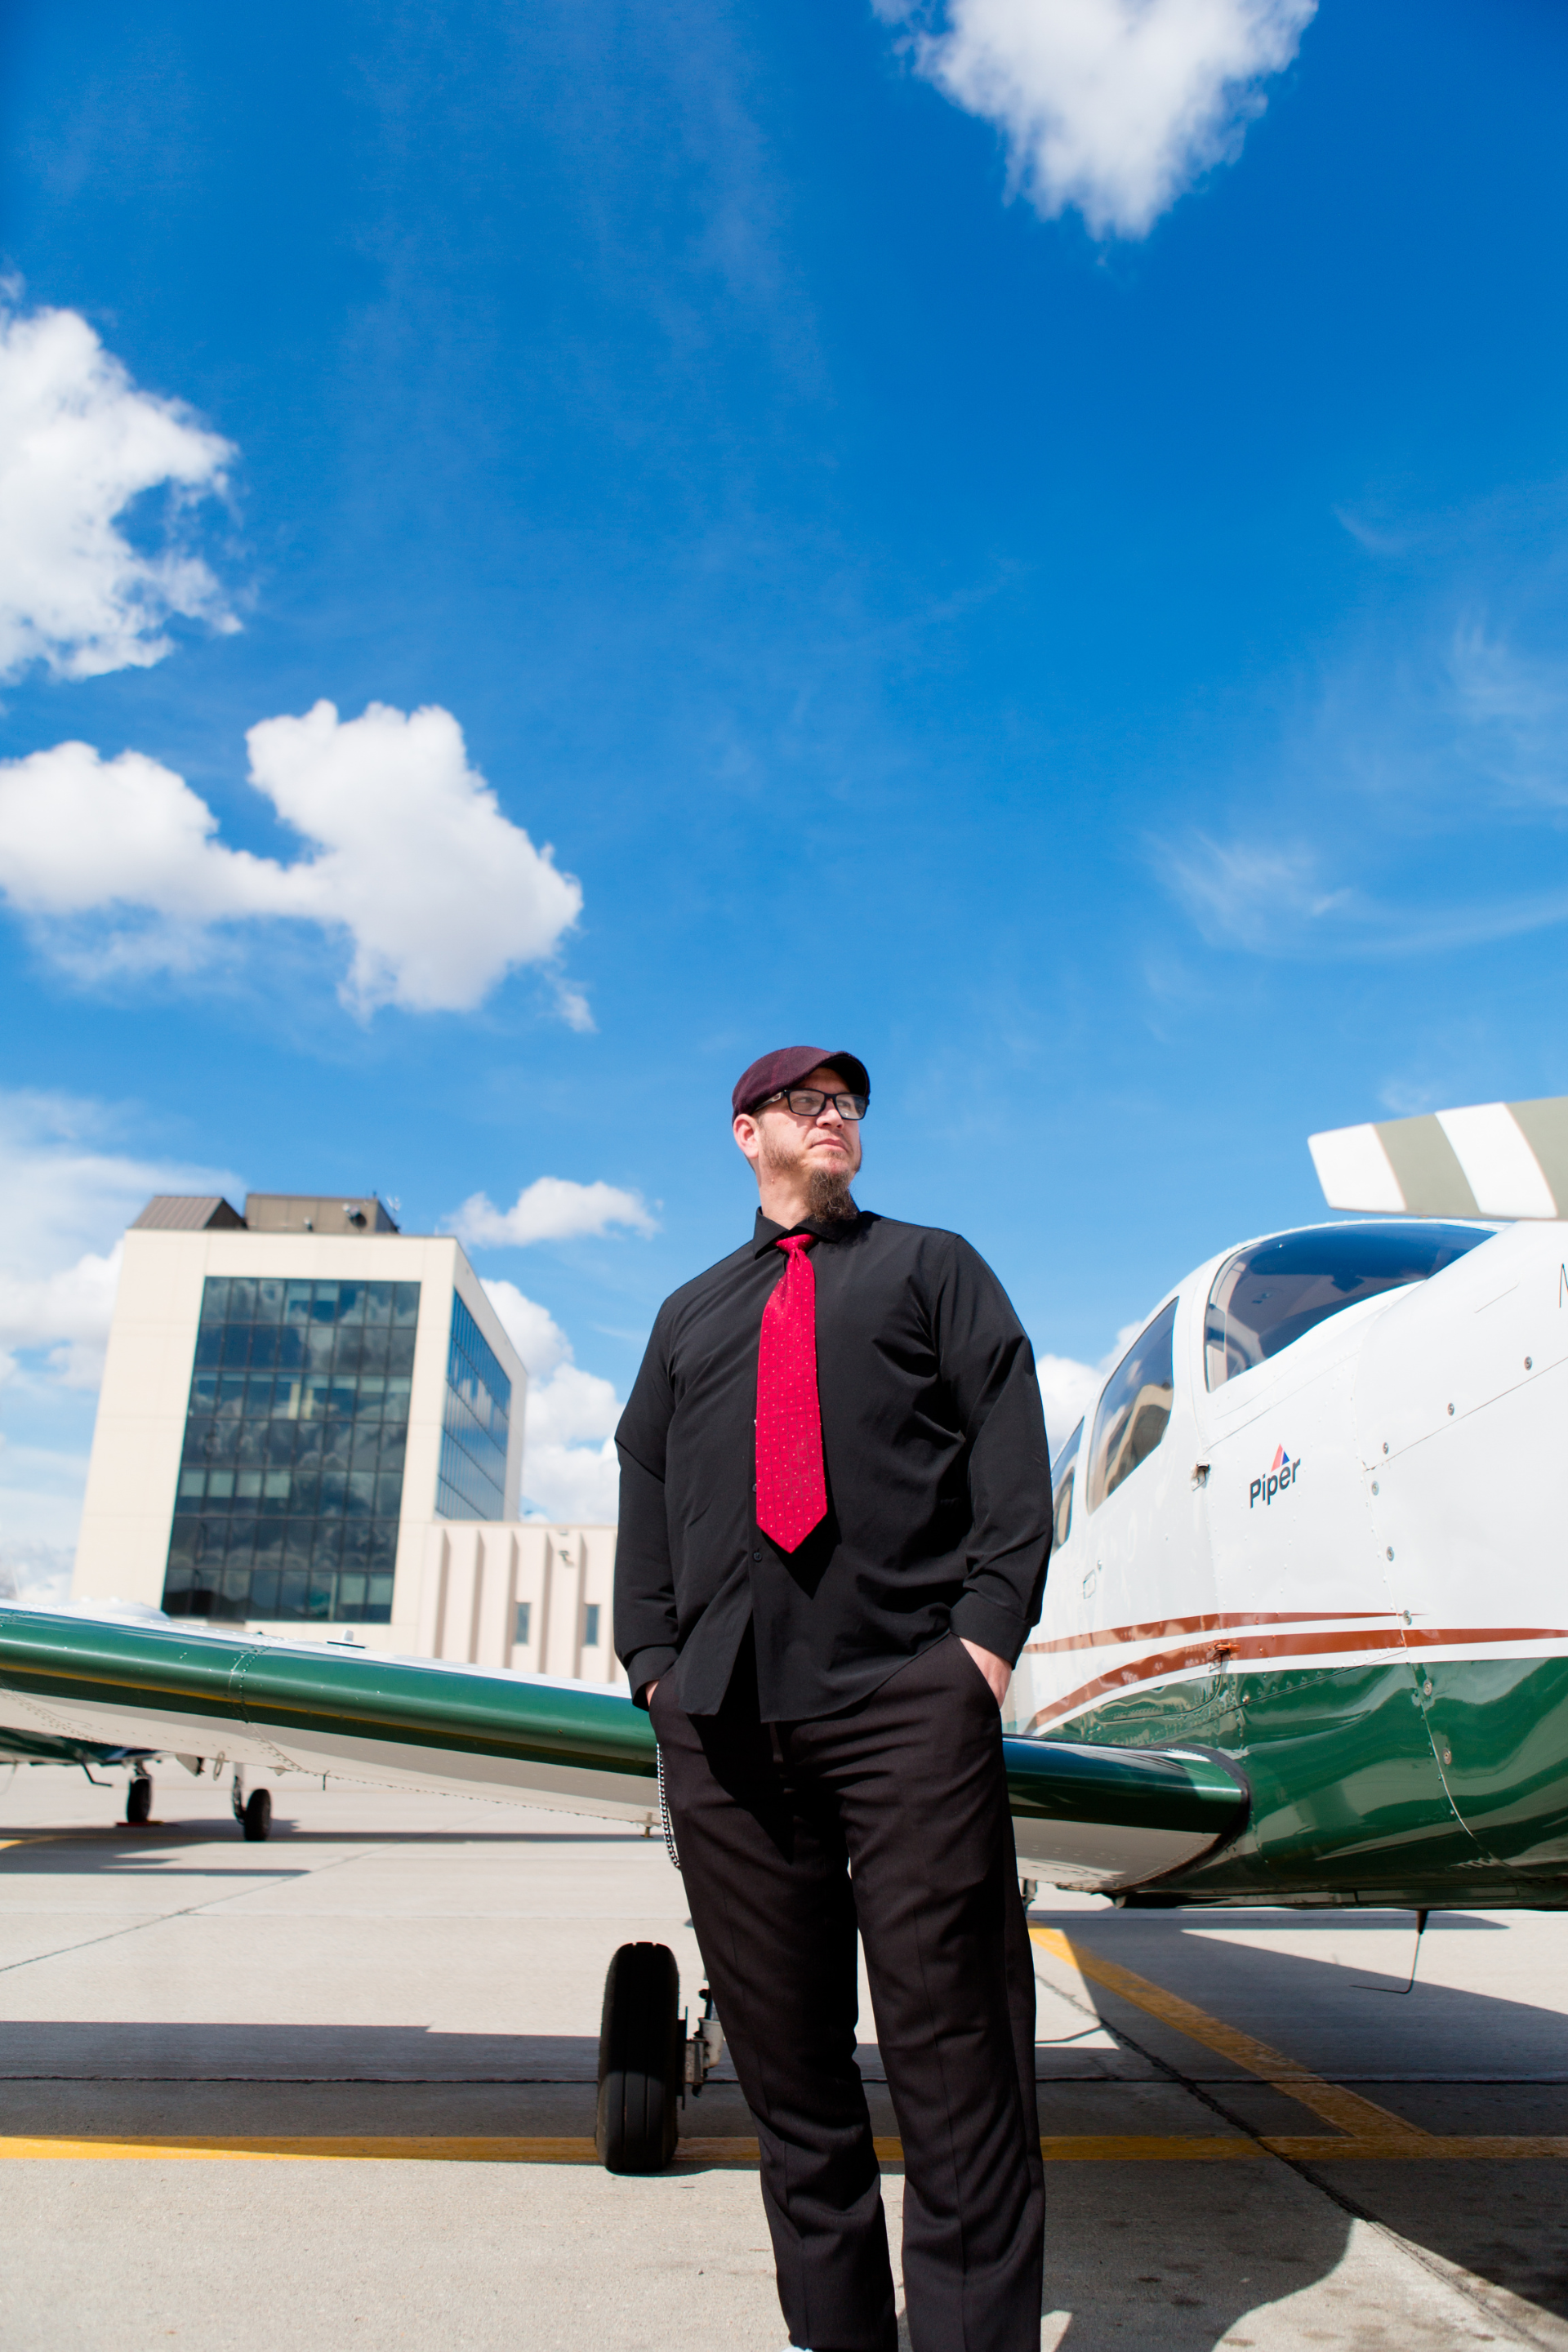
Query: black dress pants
<point x="906" y="1789"/>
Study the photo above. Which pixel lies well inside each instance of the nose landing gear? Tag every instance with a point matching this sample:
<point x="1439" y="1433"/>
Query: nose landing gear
<point x="647" y="2063"/>
<point x="138" y="1798"/>
<point x="641" y="2063"/>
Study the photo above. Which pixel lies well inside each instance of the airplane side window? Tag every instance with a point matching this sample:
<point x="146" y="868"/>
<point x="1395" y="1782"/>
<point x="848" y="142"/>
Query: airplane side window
<point x="1265" y="1296"/>
<point x="1061" y="1492"/>
<point x="1135" y="1408"/>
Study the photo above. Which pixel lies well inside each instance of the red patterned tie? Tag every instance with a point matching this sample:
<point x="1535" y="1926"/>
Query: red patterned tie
<point x="791" y="1494"/>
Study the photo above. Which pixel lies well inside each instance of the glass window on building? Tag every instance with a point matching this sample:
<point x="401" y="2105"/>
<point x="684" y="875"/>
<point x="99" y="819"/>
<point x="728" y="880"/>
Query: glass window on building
<point x="525" y="1618"/>
<point x="475" y="1426"/>
<point x="291" y="1477"/>
<point x="591" y="1625"/>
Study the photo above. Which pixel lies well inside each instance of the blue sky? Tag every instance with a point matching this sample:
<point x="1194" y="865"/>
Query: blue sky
<point x="951" y="563"/>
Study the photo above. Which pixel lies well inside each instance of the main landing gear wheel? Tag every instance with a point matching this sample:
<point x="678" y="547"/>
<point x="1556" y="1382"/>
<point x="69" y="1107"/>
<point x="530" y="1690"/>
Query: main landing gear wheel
<point x="139" y="1800"/>
<point x="642" y="2061"/>
<point x="256" y="1821"/>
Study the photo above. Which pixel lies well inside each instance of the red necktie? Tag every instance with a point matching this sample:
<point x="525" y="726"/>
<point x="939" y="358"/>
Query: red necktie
<point x="791" y="1494"/>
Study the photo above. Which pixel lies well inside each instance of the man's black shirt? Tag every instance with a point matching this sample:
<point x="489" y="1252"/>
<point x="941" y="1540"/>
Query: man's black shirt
<point x="939" y="1494"/>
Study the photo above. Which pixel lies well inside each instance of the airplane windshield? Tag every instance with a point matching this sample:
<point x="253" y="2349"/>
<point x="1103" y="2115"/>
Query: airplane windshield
<point x="1062" y="1490"/>
<point x="1265" y="1298"/>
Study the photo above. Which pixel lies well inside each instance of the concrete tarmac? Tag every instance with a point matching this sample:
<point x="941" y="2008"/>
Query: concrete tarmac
<point x="335" y="2090"/>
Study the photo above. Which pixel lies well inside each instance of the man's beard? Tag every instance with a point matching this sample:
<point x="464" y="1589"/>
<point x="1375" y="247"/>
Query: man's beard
<point x="828" y="1195"/>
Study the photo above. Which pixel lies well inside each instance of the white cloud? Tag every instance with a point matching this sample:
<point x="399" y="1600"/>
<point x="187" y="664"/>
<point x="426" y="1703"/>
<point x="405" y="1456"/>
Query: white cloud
<point x="79" y="445"/>
<point x="1068" y="1388"/>
<point x="34" y="1574"/>
<point x="67" y="1312"/>
<point x="1514" y="711"/>
<point x="569" y="1466"/>
<point x="532" y="1329"/>
<point x="409" y="854"/>
<point x="1406" y="1099"/>
<point x="551" y="1208"/>
<point x="1391" y="816"/>
<point x="80" y="834"/>
<point x="1257" y="895"/>
<point x="64" y="1202"/>
<point x="1111" y="106"/>
<point x="443" y="894"/>
<point x="1271" y="902"/>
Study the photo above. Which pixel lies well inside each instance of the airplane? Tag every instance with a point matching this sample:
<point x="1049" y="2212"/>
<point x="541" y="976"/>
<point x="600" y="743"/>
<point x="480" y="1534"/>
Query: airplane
<point x="1297" y="1643"/>
<point x="1316" y="1526"/>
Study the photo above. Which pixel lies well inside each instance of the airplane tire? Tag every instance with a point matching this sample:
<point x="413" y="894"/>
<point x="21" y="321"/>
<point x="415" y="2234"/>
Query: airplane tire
<point x="641" y="2061"/>
<point x="139" y="1800"/>
<point x="256" y="1819"/>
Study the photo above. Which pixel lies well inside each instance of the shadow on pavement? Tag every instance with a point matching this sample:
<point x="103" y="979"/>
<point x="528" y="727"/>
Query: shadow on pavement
<point x="1217" y="2240"/>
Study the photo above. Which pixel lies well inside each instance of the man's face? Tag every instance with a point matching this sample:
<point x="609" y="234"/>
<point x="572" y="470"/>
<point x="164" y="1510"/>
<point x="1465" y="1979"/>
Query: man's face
<point x="784" y="1143"/>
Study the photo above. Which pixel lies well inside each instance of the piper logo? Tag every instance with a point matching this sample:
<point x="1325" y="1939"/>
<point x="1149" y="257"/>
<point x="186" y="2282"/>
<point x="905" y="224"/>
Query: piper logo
<point x="1281" y="1474"/>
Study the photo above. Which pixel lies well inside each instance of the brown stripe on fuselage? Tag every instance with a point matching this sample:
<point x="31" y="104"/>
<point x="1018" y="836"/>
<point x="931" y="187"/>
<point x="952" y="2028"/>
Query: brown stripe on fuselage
<point x="1165" y="1629"/>
<point x="1284" y="1646"/>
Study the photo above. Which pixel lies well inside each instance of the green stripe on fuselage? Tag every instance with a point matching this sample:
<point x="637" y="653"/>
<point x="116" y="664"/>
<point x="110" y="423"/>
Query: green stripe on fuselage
<point x="1351" y="1799"/>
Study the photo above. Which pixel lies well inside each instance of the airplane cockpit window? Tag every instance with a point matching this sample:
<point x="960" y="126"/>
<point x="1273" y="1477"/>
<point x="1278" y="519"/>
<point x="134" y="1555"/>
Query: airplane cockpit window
<point x="1062" y="1490"/>
<point x="1265" y="1296"/>
<point x="1135" y="1408"/>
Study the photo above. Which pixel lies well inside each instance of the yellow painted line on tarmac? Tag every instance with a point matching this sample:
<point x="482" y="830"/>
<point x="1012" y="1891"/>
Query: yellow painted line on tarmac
<point x="1104" y="2147"/>
<point x="1112" y="2147"/>
<point x="247" y="2147"/>
<point x="1141" y="2148"/>
<point x="1361" y="2119"/>
<point x="116" y="1833"/>
<point x="1367" y="2132"/>
<point x="74" y="1837"/>
<point x="1371" y="2133"/>
<point x="1447" y="2146"/>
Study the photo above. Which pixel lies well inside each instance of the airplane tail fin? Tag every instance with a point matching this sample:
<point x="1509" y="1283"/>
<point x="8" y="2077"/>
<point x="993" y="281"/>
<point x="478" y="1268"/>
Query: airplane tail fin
<point x="1492" y="1160"/>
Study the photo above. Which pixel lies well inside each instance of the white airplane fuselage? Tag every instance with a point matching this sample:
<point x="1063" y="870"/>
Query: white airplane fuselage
<point x="1344" y="1567"/>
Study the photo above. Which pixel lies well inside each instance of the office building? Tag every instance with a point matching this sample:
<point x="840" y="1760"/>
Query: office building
<point x="311" y="1422"/>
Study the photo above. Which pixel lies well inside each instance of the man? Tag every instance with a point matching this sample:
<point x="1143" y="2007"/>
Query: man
<point x="834" y="1523"/>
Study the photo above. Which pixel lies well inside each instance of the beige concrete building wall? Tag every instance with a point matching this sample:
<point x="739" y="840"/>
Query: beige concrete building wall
<point x="134" y="1474"/>
<point x="481" y="1575"/>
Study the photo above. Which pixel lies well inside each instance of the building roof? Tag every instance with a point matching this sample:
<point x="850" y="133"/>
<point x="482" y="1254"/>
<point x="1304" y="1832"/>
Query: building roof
<point x="317" y="1212"/>
<point x="187" y="1212"/>
<point x="265" y="1213"/>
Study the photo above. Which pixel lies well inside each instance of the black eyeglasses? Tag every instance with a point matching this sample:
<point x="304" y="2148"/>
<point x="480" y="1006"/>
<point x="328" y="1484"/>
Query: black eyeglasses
<point x="810" y="1102"/>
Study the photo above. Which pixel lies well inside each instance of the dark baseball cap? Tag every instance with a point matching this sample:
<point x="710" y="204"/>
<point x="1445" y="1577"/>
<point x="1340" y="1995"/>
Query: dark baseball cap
<point x="787" y="1067"/>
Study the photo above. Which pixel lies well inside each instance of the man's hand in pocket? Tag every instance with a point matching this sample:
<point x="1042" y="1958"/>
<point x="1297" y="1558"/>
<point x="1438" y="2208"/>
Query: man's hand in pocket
<point x="996" y="1671"/>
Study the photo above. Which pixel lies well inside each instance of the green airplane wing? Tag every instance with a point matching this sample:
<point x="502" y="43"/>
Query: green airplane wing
<point x="1096" y="1817"/>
